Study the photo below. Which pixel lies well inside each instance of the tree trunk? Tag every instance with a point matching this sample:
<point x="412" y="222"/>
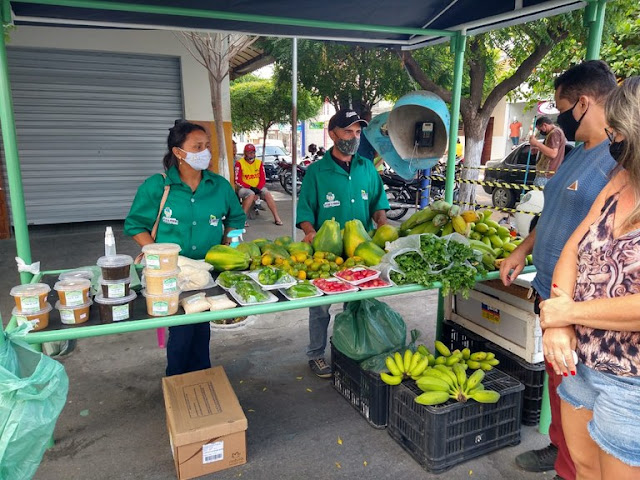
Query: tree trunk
<point x="216" y="103"/>
<point x="474" y="141"/>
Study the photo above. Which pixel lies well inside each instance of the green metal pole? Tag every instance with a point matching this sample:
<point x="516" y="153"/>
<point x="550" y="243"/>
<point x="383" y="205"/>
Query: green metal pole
<point x="10" y="142"/>
<point x="594" y="19"/>
<point x="458" y="45"/>
<point x="545" y="409"/>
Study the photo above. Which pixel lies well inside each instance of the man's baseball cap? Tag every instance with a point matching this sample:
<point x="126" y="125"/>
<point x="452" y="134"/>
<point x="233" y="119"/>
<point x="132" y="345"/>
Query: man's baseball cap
<point x="249" y="148"/>
<point x="345" y="118"/>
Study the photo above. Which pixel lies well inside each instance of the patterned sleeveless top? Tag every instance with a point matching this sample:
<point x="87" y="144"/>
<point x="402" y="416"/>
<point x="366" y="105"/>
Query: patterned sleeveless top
<point x="608" y="268"/>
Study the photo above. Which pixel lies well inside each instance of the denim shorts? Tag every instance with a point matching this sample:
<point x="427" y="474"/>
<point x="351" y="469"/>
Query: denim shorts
<point x="615" y="403"/>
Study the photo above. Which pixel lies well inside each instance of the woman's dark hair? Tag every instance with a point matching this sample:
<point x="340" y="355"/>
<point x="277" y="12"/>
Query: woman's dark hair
<point x="177" y="136"/>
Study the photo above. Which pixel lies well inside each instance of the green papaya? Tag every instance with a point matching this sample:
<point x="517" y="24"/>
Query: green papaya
<point x="372" y="232"/>
<point x="370" y="253"/>
<point x="300" y="247"/>
<point x="276" y="251"/>
<point x="260" y="242"/>
<point x="283" y="241"/>
<point x="250" y="249"/>
<point x="328" y="238"/>
<point x="385" y="233"/>
<point x="354" y="235"/>
<point x="224" y="258"/>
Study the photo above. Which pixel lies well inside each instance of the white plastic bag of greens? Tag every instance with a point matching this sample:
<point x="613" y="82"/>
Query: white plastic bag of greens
<point x="33" y="391"/>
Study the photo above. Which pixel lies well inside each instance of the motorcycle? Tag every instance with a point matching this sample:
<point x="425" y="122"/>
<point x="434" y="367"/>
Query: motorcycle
<point x="286" y="177"/>
<point x="405" y="194"/>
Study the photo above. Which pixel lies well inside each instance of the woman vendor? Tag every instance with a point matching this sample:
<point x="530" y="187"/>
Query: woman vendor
<point x="200" y="209"/>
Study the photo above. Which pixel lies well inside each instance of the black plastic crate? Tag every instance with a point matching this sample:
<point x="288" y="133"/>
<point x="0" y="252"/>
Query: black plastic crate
<point x="364" y="390"/>
<point x="441" y="436"/>
<point x="531" y="375"/>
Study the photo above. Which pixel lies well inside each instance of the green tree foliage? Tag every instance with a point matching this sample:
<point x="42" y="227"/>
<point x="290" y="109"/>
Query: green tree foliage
<point x="348" y="75"/>
<point x="258" y="104"/>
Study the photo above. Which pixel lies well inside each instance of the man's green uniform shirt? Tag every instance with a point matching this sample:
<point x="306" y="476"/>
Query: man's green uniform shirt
<point x="328" y="191"/>
<point x="193" y="220"/>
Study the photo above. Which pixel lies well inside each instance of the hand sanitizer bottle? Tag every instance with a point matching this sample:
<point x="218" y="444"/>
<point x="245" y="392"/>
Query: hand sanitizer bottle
<point x="109" y="243"/>
<point x="236" y="237"/>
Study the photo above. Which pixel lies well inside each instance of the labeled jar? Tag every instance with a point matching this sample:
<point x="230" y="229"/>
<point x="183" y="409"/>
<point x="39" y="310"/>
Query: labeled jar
<point x="163" y="304"/>
<point x="115" y="288"/>
<point x="159" y="282"/>
<point x="115" y="309"/>
<point x="40" y="318"/>
<point x="115" y="267"/>
<point x="30" y="297"/>
<point x="74" y="315"/>
<point x="161" y="257"/>
<point x="73" y="292"/>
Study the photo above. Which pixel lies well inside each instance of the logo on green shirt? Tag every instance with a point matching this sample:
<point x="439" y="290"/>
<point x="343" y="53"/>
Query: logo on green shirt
<point x="365" y="195"/>
<point x="167" y="217"/>
<point x="213" y="220"/>
<point x="331" y="201"/>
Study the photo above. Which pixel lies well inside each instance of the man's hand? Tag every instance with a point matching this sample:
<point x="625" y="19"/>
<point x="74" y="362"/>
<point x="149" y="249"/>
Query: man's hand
<point x="556" y="311"/>
<point x="557" y="344"/>
<point x="511" y="266"/>
<point x="534" y="141"/>
<point x="308" y="238"/>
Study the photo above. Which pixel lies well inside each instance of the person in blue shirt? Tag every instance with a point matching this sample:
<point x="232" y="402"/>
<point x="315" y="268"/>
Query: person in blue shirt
<point x="580" y="96"/>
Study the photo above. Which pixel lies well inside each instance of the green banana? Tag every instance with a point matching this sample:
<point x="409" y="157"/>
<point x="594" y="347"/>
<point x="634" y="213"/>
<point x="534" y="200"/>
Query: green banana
<point x="432" y="398"/>
<point x="390" y="379"/>
<point x="414" y="362"/>
<point x="485" y="396"/>
<point x="408" y="355"/>
<point x="424" y="351"/>
<point x="420" y="367"/>
<point x="478" y="356"/>
<point x="490" y="356"/>
<point x="448" y="371"/>
<point x="399" y="362"/>
<point x="442" y="349"/>
<point x="473" y="365"/>
<point x="486" y="366"/>
<point x="466" y="353"/>
<point x="453" y="359"/>
<point x="441" y="360"/>
<point x="475" y="378"/>
<point x="461" y="374"/>
<point x="429" y="383"/>
<point x="392" y="367"/>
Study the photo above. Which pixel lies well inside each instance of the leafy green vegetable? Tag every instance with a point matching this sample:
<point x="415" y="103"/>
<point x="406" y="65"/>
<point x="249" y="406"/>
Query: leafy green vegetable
<point x="451" y="263"/>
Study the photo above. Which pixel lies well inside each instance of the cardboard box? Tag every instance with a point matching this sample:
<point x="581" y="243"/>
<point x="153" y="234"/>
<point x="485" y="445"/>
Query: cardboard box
<point x="206" y="423"/>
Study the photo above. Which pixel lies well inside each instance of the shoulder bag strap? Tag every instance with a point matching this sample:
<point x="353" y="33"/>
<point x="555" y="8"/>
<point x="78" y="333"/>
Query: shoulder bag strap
<point x="154" y="230"/>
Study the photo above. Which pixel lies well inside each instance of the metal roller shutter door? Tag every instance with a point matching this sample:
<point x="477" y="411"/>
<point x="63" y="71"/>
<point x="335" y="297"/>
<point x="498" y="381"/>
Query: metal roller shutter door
<point x="91" y="127"/>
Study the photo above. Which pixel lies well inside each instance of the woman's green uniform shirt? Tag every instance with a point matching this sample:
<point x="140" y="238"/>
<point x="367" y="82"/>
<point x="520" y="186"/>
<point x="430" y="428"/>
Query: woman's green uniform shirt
<point x="328" y="191"/>
<point x="193" y="220"/>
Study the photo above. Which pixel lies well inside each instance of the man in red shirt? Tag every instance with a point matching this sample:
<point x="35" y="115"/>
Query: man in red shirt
<point x="250" y="181"/>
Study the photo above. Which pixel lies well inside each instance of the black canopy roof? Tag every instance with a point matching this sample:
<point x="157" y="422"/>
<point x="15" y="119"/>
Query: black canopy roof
<point x="407" y="23"/>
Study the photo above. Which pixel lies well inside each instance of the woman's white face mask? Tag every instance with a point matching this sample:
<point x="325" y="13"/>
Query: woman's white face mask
<point x="199" y="160"/>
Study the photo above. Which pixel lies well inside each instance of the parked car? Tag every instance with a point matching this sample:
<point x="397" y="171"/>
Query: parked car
<point x="513" y="169"/>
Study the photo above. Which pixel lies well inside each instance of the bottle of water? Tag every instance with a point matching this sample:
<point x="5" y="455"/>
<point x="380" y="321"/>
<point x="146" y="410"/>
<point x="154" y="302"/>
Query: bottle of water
<point x="109" y="243"/>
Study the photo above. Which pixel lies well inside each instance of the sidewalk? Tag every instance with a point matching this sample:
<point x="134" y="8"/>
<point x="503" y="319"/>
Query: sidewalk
<point x="113" y="426"/>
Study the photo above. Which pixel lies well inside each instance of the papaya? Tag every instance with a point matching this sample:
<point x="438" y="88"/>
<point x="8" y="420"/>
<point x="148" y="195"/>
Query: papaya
<point x="354" y="235"/>
<point x="224" y="258"/>
<point x="372" y="232"/>
<point x="370" y="253"/>
<point x="328" y="238"/>
<point x="276" y="251"/>
<point x="260" y="242"/>
<point x="283" y="241"/>
<point x="300" y="247"/>
<point x="250" y="249"/>
<point x="385" y="233"/>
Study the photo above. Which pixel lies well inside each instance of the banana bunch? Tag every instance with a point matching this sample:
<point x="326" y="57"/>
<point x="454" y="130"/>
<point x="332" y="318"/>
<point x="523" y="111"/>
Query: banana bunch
<point x="475" y="361"/>
<point x="409" y="365"/>
<point x="440" y="218"/>
<point x="442" y="383"/>
<point x="494" y="241"/>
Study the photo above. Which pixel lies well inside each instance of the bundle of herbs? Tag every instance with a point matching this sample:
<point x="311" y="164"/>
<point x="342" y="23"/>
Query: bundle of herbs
<point x="453" y="264"/>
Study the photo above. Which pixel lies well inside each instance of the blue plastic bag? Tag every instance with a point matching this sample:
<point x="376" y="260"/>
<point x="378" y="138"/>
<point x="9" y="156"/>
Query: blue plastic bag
<point x="33" y="391"/>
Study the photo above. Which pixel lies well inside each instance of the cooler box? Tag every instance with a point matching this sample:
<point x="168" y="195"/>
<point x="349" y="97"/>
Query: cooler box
<point x="205" y="421"/>
<point x="503" y="315"/>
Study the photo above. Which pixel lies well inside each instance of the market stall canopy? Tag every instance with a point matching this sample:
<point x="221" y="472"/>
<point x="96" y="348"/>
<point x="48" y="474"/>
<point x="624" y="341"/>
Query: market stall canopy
<point x="407" y="24"/>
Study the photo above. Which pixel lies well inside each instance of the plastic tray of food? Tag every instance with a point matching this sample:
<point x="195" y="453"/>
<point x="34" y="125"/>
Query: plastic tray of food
<point x="357" y="275"/>
<point x="268" y="297"/>
<point x="332" y="286"/>
<point x="289" y="293"/>
<point x="285" y="281"/>
<point x="375" y="283"/>
<point x="228" y="279"/>
<point x="212" y="283"/>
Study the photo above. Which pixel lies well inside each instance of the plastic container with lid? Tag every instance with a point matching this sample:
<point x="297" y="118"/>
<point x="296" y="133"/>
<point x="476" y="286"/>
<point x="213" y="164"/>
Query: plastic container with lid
<point x="75" y="274"/>
<point x="161" y="256"/>
<point x="40" y="318"/>
<point x="162" y="305"/>
<point x="115" y="288"/>
<point x="115" y="309"/>
<point x="115" y="267"/>
<point x="74" y="315"/>
<point x="73" y="292"/>
<point x="160" y="282"/>
<point x="30" y="297"/>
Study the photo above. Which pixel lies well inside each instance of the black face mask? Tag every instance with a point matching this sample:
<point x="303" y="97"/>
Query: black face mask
<point x="616" y="149"/>
<point x="569" y="124"/>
